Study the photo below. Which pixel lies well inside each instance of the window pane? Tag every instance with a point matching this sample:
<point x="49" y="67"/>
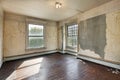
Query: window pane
<point x="72" y="35"/>
<point x="72" y="41"/>
<point x="36" y="42"/>
<point x="69" y="43"/>
<point x="35" y="30"/>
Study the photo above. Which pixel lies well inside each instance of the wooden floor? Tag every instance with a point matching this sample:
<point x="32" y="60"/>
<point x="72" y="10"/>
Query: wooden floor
<point x="55" y="67"/>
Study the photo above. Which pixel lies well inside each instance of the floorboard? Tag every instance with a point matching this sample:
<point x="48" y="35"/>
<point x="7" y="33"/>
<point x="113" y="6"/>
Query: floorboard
<point x="55" y="67"/>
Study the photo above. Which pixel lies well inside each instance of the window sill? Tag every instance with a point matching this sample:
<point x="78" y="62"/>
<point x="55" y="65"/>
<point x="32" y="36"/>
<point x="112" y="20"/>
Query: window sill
<point x="33" y="49"/>
<point x="70" y="47"/>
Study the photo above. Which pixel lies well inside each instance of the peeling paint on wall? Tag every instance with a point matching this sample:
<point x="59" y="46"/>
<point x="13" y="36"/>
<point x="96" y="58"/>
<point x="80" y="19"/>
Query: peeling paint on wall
<point x="15" y="35"/>
<point x="112" y="49"/>
<point x="112" y="12"/>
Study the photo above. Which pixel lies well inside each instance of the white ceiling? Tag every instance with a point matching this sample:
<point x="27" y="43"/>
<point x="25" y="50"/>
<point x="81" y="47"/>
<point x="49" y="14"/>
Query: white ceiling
<point x="45" y="9"/>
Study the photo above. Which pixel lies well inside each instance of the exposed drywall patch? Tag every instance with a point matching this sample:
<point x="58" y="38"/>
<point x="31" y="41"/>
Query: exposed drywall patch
<point x="113" y="37"/>
<point x="93" y="34"/>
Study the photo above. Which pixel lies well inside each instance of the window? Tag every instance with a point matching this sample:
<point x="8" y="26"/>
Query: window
<point x="35" y="36"/>
<point x="72" y="33"/>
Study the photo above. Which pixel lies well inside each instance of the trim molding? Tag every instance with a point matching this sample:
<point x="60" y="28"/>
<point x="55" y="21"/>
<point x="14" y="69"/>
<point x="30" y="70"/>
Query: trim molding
<point x="71" y="52"/>
<point x="62" y="52"/>
<point x="105" y="63"/>
<point x="29" y="55"/>
<point x="1" y="64"/>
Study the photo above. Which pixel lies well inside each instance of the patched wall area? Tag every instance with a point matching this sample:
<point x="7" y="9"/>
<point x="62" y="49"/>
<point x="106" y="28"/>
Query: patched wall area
<point x="15" y="35"/>
<point x="112" y="49"/>
<point x="92" y="34"/>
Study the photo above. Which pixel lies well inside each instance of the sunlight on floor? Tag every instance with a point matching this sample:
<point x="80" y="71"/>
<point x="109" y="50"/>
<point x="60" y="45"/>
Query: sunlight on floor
<point x="31" y="62"/>
<point x="26" y="69"/>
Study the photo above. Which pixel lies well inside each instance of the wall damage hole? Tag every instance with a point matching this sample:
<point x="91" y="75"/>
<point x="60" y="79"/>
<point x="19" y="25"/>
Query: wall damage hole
<point x="114" y="71"/>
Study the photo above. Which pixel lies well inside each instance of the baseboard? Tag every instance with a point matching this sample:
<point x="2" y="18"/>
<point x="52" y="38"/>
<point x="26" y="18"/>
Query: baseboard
<point x="105" y="63"/>
<point x="29" y="55"/>
<point x="0" y="64"/>
<point x="60" y="51"/>
<point x="71" y="52"/>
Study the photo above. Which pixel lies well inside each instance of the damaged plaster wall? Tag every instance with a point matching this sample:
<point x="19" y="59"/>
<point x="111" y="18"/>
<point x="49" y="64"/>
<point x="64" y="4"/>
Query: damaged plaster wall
<point x="112" y="47"/>
<point x="112" y="53"/>
<point x="1" y="35"/>
<point x="15" y="35"/>
<point x="92" y="34"/>
<point x="61" y="39"/>
<point x="62" y="33"/>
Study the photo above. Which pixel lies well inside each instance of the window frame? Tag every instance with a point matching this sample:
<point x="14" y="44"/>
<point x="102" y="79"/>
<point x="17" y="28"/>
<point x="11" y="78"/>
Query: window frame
<point x="67" y="46"/>
<point x="27" y="36"/>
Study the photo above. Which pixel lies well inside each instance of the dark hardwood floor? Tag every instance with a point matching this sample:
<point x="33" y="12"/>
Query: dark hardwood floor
<point x="55" y="67"/>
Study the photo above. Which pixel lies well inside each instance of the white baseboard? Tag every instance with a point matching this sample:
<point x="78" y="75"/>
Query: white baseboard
<point x="72" y="53"/>
<point x="60" y="51"/>
<point x="0" y="64"/>
<point x="105" y="63"/>
<point x="29" y="55"/>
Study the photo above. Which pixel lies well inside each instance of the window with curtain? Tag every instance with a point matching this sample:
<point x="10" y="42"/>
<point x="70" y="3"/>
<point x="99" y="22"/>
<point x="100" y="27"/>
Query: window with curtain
<point x="35" y="36"/>
<point x="72" y="34"/>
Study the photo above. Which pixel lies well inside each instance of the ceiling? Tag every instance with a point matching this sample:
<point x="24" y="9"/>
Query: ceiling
<point x="45" y="9"/>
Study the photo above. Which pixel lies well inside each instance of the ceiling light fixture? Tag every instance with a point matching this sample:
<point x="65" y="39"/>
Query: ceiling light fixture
<point x="58" y="5"/>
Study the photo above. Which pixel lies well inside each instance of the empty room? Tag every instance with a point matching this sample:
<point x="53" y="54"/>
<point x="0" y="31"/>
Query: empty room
<point x="59" y="39"/>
